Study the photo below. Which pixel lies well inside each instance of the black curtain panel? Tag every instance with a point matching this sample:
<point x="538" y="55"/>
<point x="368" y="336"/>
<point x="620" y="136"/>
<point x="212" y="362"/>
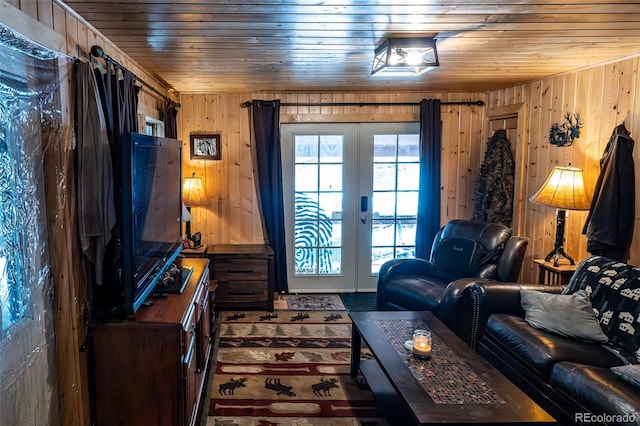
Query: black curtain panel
<point x="126" y="117"/>
<point x="170" y="119"/>
<point x="429" y="192"/>
<point x="268" y="167"/>
<point x="119" y="100"/>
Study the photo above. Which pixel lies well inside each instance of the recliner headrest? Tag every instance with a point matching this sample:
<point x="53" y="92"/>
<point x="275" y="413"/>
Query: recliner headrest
<point x="491" y="236"/>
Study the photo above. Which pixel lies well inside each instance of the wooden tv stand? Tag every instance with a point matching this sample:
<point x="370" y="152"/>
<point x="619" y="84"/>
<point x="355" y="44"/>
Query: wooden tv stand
<point x="150" y="367"/>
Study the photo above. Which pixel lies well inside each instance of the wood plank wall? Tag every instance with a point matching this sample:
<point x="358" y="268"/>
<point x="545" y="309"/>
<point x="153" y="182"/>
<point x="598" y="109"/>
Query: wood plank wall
<point x="604" y="96"/>
<point x="232" y="214"/>
<point x="73" y="383"/>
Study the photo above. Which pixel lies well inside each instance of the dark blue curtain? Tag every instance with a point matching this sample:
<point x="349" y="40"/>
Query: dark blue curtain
<point x="170" y="119"/>
<point x="266" y="130"/>
<point x="429" y="194"/>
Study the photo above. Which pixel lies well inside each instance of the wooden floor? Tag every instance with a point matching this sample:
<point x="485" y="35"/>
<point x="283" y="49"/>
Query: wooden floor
<point x="280" y="302"/>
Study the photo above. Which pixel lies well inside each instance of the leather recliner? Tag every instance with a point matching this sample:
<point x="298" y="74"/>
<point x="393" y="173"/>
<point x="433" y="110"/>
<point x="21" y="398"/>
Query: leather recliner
<point x="421" y="285"/>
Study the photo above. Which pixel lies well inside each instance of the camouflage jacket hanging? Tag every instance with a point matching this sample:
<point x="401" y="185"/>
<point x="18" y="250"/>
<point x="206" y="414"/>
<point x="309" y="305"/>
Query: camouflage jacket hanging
<point x="494" y="187"/>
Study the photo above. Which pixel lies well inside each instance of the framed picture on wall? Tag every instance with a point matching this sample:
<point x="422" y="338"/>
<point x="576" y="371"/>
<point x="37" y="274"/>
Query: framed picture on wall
<point x="205" y="146"/>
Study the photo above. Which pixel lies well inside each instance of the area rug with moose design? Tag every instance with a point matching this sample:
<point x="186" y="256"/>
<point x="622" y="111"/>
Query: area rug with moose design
<point x="287" y="368"/>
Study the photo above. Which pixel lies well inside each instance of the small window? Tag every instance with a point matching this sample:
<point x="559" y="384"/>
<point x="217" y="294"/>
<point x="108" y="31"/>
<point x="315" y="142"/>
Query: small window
<point x="154" y="127"/>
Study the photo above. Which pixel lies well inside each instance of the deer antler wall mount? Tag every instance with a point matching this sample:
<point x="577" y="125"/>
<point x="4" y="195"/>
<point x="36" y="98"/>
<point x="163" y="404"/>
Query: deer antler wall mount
<point x="564" y="134"/>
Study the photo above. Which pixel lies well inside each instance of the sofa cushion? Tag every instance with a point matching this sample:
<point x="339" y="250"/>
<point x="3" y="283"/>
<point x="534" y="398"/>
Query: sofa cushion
<point x="599" y="390"/>
<point x="415" y="293"/>
<point x="614" y="290"/>
<point x="628" y="373"/>
<point x="570" y="315"/>
<point x="539" y="349"/>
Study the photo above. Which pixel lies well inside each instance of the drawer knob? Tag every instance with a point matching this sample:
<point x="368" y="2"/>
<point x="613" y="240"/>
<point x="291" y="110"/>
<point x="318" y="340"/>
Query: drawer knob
<point x="240" y="292"/>
<point x="240" y="271"/>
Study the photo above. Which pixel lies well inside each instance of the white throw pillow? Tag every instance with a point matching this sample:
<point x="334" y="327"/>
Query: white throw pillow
<point x="569" y="315"/>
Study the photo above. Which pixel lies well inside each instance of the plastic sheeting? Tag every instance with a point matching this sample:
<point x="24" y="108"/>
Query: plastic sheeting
<point x="33" y="110"/>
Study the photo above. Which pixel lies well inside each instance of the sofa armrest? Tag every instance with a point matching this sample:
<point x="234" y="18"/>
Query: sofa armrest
<point x="482" y="298"/>
<point x="396" y="267"/>
<point x="456" y="294"/>
<point x="399" y="267"/>
<point x="504" y="298"/>
<point x="510" y="262"/>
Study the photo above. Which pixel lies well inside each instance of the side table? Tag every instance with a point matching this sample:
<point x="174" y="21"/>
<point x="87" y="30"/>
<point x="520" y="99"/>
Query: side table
<point x="548" y="274"/>
<point x="195" y="252"/>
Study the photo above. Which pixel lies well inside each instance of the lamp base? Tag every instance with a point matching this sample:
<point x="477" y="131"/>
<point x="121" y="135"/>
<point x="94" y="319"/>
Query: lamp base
<point x="556" y="254"/>
<point x="558" y="249"/>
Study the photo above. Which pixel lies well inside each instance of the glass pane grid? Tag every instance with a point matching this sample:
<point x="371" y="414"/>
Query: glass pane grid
<point x="395" y="198"/>
<point x="318" y="208"/>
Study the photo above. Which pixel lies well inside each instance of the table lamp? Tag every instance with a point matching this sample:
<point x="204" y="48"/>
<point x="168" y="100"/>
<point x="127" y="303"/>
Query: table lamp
<point x="186" y="218"/>
<point x="193" y="194"/>
<point x="564" y="190"/>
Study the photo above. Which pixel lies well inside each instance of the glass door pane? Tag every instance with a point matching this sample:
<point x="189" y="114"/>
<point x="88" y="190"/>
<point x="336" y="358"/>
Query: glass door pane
<point x="319" y="217"/>
<point x="389" y="178"/>
<point x="318" y="165"/>
<point x="396" y="174"/>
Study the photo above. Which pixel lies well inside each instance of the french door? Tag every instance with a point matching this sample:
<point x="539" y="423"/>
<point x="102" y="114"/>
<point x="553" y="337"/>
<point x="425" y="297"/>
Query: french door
<point x="351" y="197"/>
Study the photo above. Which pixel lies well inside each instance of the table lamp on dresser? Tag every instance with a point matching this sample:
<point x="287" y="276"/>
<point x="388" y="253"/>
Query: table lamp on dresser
<point x="193" y="194"/>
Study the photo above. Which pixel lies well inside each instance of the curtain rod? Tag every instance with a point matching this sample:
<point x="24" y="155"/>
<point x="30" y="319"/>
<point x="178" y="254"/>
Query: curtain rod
<point x="99" y="53"/>
<point x="362" y="104"/>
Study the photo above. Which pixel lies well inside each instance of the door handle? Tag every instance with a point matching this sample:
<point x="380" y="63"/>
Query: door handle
<point x="364" y="203"/>
<point x="364" y="207"/>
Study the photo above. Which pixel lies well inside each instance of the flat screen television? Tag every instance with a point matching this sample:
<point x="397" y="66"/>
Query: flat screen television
<point x="149" y="214"/>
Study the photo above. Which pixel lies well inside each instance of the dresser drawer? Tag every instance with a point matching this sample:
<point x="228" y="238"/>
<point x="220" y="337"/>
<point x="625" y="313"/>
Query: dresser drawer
<point x="245" y="275"/>
<point x="241" y="291"/>
<point x="240" y="269"/>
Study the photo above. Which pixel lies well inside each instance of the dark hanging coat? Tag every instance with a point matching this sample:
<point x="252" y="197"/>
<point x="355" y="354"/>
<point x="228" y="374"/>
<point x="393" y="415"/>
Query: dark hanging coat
<point x="494" y="187"/>
<point x="610" y="221"/>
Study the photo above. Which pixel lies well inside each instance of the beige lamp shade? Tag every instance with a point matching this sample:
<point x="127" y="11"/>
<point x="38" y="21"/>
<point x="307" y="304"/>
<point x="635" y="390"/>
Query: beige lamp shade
<point x="564" y="189"/>
<point x="193" y="191"/>
<point x="186" y="214"/>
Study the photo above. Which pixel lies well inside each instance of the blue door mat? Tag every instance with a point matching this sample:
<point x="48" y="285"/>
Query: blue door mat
<point x="359" y="301"/>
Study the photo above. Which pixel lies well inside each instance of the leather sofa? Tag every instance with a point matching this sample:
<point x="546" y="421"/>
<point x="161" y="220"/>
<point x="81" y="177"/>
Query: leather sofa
<point x="425" y="285"/>
<point x="569" y="377"/>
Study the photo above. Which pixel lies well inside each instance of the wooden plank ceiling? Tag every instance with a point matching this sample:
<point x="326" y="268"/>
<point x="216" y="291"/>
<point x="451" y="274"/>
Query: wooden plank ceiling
<point x="318" y="45"/>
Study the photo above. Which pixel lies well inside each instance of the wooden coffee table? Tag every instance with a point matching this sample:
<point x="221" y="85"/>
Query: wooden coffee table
<point x="455" y="386"/>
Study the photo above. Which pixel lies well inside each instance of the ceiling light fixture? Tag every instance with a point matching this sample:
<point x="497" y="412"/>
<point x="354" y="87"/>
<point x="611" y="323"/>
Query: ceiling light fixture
<point x="407" y="57"/>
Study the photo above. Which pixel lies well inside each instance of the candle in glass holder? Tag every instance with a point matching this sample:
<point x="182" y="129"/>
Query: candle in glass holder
<point x="422" y="344"/>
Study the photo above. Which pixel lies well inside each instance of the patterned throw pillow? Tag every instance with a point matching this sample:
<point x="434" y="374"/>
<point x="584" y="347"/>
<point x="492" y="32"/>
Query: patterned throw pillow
<point x="628" y="373"/>
<point x="614" y="290"/>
